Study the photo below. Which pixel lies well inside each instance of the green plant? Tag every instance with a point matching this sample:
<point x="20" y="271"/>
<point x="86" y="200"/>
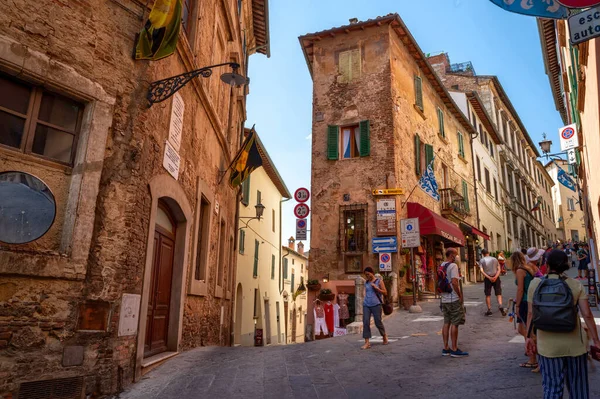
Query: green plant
<point x="404" y="251"/>
<point x="325" y="291"/>
<point x="312" y="282"/>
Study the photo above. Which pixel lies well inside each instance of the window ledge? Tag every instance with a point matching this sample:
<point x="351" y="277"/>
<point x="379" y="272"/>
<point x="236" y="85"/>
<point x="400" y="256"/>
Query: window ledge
<point x="419" y="111"/>
<point x="463" y="159"/>
<point x="444" y="139"/>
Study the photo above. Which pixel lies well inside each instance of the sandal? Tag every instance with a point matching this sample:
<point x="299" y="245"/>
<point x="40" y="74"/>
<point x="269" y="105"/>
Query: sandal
<point x="536" y="370"/>
<point x="366" y="346"/>
<point x="528" y="365"/>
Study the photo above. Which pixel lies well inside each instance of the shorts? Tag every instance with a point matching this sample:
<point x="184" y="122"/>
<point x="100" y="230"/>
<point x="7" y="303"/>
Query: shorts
<point x="487" y="284"/>
<point x="523" y="312"/>
<point x="454" y="313"/>
<point x="583" y="265"/>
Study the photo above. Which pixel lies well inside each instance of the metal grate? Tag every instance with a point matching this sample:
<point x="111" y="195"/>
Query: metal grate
<point x="353" y="228"/>
<point x="62" y="388"/>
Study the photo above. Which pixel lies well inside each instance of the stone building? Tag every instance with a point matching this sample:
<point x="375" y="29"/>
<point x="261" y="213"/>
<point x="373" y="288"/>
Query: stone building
<point x="570" y="218"/>
<point x="259" y="302"/>
<point x="380" y="115"/>
<point x="518" y="154"/>
<point x="137" y="264"/>
<point x="295" y="275"/>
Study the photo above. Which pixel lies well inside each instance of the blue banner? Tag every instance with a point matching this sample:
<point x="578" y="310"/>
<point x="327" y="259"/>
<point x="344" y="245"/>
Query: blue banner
<point x="428" y="183"/>
<point x="535" y="8"/>
<point x="565" y="180"/>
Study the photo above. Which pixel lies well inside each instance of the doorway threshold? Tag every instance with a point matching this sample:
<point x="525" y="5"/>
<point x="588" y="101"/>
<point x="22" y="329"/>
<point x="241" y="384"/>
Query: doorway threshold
<point x="153" y="361"/>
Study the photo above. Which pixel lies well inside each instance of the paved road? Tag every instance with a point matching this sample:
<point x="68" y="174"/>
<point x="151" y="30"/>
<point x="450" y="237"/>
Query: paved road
<point x="410" y="367"/>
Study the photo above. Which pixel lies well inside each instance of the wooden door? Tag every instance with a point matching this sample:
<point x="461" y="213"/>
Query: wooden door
<point x="294" y="325"/>
<point x="267" y="323"/>
<point x="157" y="323"/>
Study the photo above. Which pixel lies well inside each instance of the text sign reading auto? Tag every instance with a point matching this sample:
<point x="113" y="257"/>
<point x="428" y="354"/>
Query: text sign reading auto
<point x="302" y="195"/>
<point x="585" y="25"/>
<point x="568" y="137"/>
<point x="301" y="211"/>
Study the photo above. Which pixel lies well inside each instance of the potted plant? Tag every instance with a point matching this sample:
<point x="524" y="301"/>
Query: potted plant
<point x="406" y="299"/>
<point x="403" y="271"/>
<point x="313" y="285"/>
<point x="326" y="295"/>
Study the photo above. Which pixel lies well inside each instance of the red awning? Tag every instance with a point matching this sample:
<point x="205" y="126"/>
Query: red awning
<point x="480" y="233"/>
<point x="432" y="223"/>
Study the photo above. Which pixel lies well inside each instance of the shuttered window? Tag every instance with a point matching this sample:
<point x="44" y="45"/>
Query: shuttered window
<point x="365" y="139"/>
<point x="332" y="142"/>
<point x="428" y="155"/>
<point x="417" y="155"/>
<point x="419" y="92"/>
<point x="465" y="193"/>
<point x="272" y="267"/>
<point x="441" y="122"/>
<point x="461" y="145"/>
<point x="293" y="289"/>
<point x="349" y="141"/>
<point x="349" y="66"/>
<point x="285" y="268"/>
<point x="246" y="191"/>
<point x="255" y="270"/>
<point x="242" y="241"/>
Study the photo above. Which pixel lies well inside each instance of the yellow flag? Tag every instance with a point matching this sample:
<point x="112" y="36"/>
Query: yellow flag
<point x="158" y="38"/>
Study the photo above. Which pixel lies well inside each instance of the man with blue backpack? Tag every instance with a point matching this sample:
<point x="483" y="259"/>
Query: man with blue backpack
<point x="451" y="298"/>
<point x="561" y="343"/>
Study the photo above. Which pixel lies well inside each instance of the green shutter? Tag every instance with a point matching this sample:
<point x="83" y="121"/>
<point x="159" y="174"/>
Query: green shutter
<point x="417" y="155"/>
<point x="255" y="271"/>
<point x="418" y="92"/>
<point x="292" y="285"/>
<point x="465" y="189"/>
<point x="332" y="142"/>
<point x="461" y="145"/>
<point x="365" y="139"/>
<point x="272" y="267"/>
<point x="428" y="154"/>
<point x="242" y="240"/>
<point x="246" y="191"/>
<point x="441" y="122"/>
<point x="285" y="268"/>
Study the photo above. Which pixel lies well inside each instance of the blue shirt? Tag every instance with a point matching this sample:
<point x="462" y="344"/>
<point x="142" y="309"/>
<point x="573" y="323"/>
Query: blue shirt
<point x="371" y="298"/>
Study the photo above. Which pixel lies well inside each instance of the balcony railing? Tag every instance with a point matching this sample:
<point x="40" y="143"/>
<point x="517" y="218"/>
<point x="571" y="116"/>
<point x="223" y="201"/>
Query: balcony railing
<point x="453" y="203"/>
<point x="462" y="68"/>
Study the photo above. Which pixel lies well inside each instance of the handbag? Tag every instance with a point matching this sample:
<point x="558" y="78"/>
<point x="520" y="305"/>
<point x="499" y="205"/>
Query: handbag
<point x="387" y="307"/>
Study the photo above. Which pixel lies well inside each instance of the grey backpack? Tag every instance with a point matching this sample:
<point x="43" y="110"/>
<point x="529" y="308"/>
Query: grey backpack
<point x="553" y="307"/>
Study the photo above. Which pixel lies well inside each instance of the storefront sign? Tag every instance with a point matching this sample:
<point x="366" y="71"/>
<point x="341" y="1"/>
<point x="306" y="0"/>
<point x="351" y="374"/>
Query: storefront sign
<point x="410" y="231"/>
<point x="386" y="217"/>
<point x="585" y="25"/>
<point x="129" y="314"/>
<point x="385" y="262"/>
<point x="568" y="137"/>
<point x="171" y="160"/>
<point x="176" y="126"/>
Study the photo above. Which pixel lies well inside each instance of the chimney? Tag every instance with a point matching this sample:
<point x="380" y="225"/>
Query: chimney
<point x="353" y="21"/>
<point x="301" y="248"/>
<point x="291" y="242"/>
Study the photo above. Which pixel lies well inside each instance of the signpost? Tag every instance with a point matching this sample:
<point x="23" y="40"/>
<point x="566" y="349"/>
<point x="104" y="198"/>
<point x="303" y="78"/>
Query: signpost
<point x="384" y="244"/>
<point x="571" y="156"/>
<point x="585" y="25"/>
<point x="300" y="229"/>
<point x="301" y="211"/>
<point x="386" y="217"/>
<point x="410" y="232"/>
<point x="385" y="262"/>
<point x="568" y="137"/>
<point x="388" y="191"/>
<point x="302" y="195"/>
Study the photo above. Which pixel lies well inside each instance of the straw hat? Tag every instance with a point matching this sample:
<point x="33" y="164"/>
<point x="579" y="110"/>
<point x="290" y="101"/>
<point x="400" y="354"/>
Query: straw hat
<point x="534" y="254"/>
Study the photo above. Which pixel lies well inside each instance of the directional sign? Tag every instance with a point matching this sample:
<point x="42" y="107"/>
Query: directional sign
<point x="302" y="195"/>
<point x="568" y="137"/>
<point x="388" y="191"/>
<point x="411" y="236"/>
<point x="385" y="262"/>
<point x="585" y="25"/>
<point x="384" y="244"/>
<point x="300" y="229"/>
<point x="301" y="211"/>
<point x="571" y="156"/>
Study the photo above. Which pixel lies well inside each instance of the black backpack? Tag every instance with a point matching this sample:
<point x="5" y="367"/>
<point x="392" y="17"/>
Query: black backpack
<point x="553" y="307"/>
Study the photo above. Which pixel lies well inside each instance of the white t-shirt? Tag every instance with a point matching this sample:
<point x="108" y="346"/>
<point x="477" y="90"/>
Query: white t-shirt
<point x="451" y="272"/>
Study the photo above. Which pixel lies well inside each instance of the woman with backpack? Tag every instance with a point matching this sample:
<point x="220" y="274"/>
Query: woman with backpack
<point x="561" y="341"/>
<point x="524" y="274"/>
<point x="372" y="305"/>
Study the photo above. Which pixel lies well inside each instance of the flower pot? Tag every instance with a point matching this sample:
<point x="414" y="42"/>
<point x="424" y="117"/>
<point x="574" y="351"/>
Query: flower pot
<point x="407" y="301"/>
<point x="401" y="273"/>
<point x="327" y="297"/>
<point x="313" y="287"/>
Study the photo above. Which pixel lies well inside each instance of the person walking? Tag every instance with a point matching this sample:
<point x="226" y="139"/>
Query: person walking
<point x="523" y="277"/>
<point x="374" y="289"/>
<point x="451" y="304"/>
<point x="490" y="268"/>
<point x="583" y="258"/>
<point x="562" y="355"/>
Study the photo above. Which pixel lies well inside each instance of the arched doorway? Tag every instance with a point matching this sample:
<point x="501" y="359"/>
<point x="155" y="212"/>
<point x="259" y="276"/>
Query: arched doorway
<point x="237" y="335"/>
<point x="159" y="301"/>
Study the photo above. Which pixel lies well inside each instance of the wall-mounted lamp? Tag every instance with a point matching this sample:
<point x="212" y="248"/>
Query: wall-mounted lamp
<point x="326" y="278"/>
<point x="259" y="208"/>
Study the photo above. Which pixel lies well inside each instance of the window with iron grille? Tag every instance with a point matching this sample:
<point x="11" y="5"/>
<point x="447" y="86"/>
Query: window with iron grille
<point x="353" y="228"/>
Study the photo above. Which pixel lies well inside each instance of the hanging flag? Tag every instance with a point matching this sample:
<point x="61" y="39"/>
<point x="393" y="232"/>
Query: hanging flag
<point x="534" y="8"/>
<point x="247" y="159"/>
<point x="158" y="38"/>
<point x="537" y="204"/>
<point x="565" y="180"/>
<point x="428" y="184"/>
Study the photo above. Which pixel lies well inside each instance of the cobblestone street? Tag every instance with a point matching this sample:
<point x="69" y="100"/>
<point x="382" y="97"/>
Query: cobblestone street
<point x="410" y="366"/>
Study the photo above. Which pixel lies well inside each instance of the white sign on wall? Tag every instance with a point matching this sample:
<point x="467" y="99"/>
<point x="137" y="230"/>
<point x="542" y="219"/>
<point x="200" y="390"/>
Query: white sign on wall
<point x="129" y="314"/>
<point x="584" y="25"/>
<point x="568" y="137"/>
<point x="176" y="126"/>
<point x="571" y="156"/>
<point x="171" y="160"/>
<point x="410" y="233"/>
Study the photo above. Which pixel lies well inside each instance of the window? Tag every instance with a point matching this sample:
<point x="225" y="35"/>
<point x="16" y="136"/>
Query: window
<point x="258" y="197"/>
<point x="496" y="190"/>
<point x="285" y="268"/>
<point x="272" y="267"/>
<point x="292" y="285"/>
<point x="474" y="120"/>
<point x="202" y="241"/>
<point x="353" y="228"/>
<point x="465" y="192"/>
<point x="350" y="141"/>
<point x="36" y="121"/>
<point x="570" y="204"/>
<point x="246" y="191"/>
<point x="222" y="261"/>
<point x="187" y="17"/>
<point x="419" y="92"/>
<point x="255" y="269"/>
<point x="349" y="66"/>
<point x="302" y="269"/>
<point x="491" y="148"/>
<point x="445" y="181"/>
<point x="478" y="169"/>
<point x="508" y="224"/>
<point x="481" y="134"/>
<point x="509" y="178"/>
<point x="273" y="220"/>
<point x="441" y="128"/>
<point x="256" y="298"/>
<point x="488" y="186"/>
<point x="242" y="241"/>
<point x="461" y="145"/>
<point x="423" y="155"/>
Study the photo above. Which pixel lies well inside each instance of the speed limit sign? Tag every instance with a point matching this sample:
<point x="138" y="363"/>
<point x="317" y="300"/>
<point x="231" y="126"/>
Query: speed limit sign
<point x="301" y="211"/>
<point x="302" y="195"/>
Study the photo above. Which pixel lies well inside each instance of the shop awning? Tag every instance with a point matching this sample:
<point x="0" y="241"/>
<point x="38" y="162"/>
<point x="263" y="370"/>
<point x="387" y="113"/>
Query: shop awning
<point x="468" y="229"/>
<point x="432" y="223"/>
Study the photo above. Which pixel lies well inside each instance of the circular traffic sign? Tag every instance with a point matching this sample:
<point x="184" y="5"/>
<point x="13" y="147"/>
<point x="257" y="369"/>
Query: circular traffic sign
<point x="567" y="133"/>
<point x="301" y="223"/>
<point x="409" y="227"/>
<point x="578" y="3"/>
<point x="302" y="194"/>
<point x="301" y="211"/>
<point x="385" y="258"/>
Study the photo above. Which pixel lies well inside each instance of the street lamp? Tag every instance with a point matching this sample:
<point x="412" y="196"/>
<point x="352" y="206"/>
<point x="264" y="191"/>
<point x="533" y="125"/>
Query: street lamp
<point x="545" y="145"/>
<point x="165" y="88"/>
<point x="259" y="208"/>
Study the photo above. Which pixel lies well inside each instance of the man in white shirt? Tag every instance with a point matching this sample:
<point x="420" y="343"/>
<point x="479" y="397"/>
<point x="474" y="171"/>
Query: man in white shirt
<point x="452" y="306"/>
<point x="490" y="268"/>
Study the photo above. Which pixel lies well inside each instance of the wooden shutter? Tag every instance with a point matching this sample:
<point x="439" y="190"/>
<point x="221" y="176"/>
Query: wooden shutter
<point x="441" y="122"/>
<point x="418" y="92"/>
<point x="461" y="148"/>
<point x="465" y="190"/>
<point x="285" y="268"/>
<point x="272" y="267"/>
<point x="428" y="154"/>
<point x="292" y="284"/>
<point x="246" y="191"/>
<point x="365" y="139"/>
<point x="417" y="155"/>
<point x="332" y="142"/>
<point x="255" y="271"/>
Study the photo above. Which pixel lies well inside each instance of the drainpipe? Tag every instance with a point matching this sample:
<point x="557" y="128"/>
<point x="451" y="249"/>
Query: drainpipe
<point x="471" y="140"/>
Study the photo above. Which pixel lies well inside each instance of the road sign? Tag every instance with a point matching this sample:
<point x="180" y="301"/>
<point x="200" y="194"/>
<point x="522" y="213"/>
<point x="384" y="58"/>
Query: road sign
<point x="302" y="194"/>
<point x="385" y="262"/>
<point x="571" y="156"/>
<point x="388" y="191"/>
<point x="301" y="211"/>
<point x="568" y="137"/>
<point x="386" y="217"/>
<point x="410" y="232"/>
<point x="585" y="25"/>
<point x="301" y="229"/>
<point x="579" y="3"/>
<point x="384" y="244"/>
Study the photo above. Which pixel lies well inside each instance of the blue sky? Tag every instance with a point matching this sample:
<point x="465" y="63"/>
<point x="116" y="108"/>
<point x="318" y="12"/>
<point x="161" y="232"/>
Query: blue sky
<point x="496" y="41"/>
